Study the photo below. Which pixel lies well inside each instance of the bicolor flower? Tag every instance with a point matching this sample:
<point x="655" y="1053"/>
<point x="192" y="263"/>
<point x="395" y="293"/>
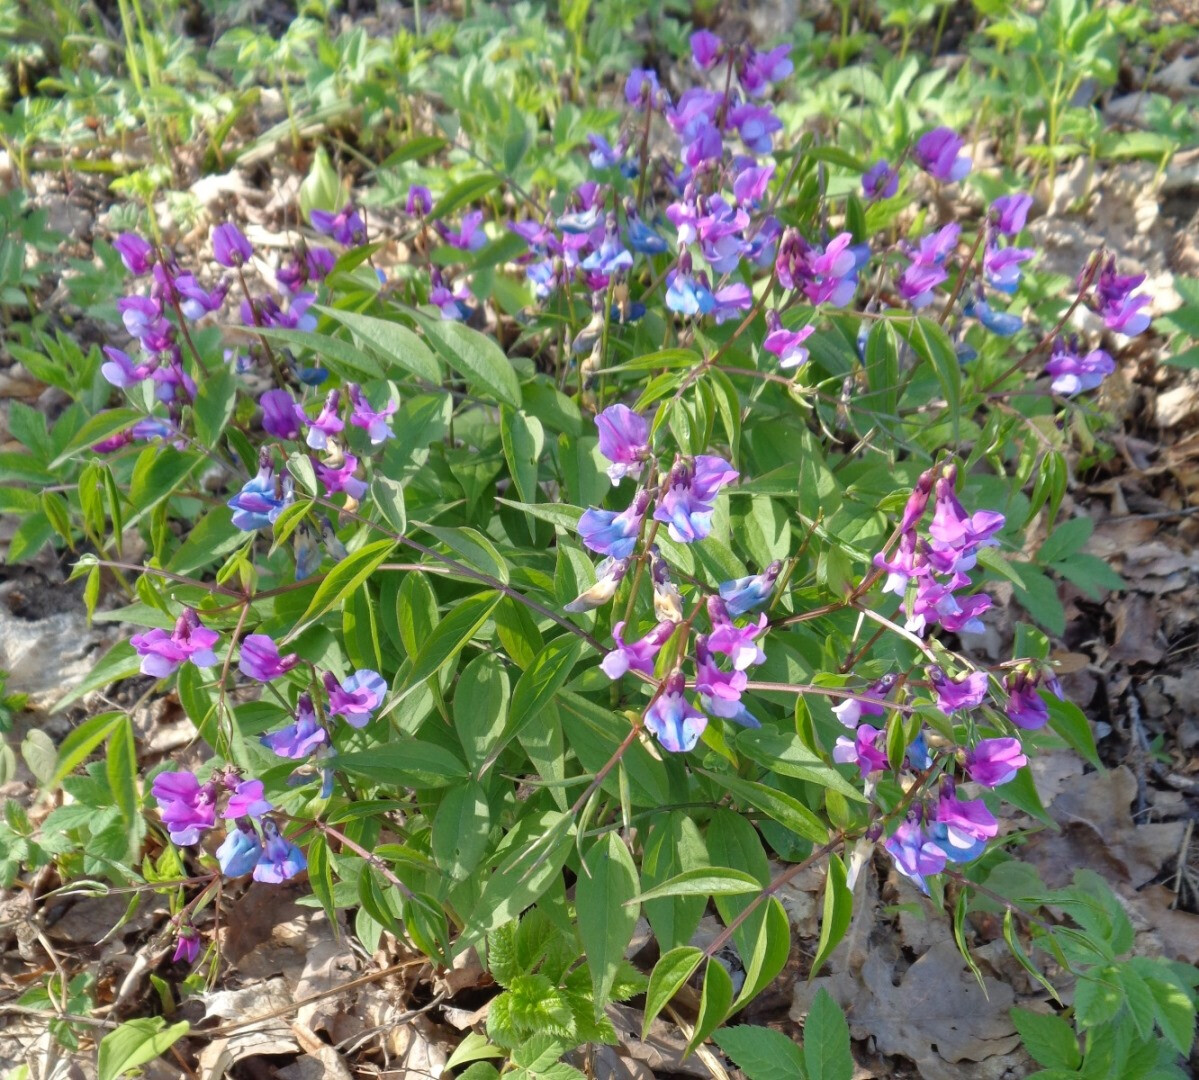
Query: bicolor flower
<point x="738" y="643"/>
<point x="300" y="738"/>
<point x="186" y="806"/>
<point x="623" y="440"/>
<point x="635" y="655"/>
<point x="121" y="371"/>
<point x="612" y="533"/>
<point x="756" y="124"/>
<point x="915" y="855"/>
<point x="641" y="88"/>
<point x="1073" y="373"/>
<point x="939" y="153"/>
<point x="673" y="721"/>
<point x="341" y="477"/>
<point x="375" y="422"/>
<point x="357" y="698"/>
<point x="961" y="828"/>
<point x="608" y="576"/>
<point x="611" y="257"/>
<point x="1010" y="212"/>
<point x="260" y="659"/>
<point x="787" y="345"/>
<point x="469" y="236"/>
<point x="852" y="709"/>
<point x="1025" y="706"/>
<point x="281" y="860"/>
<point x="162" y="653"/>
<point x="1120" y="309"/>
<point x="262" y="498"/>
<point x="690" y="491"/>
<point x="763" y="68"/>
<point x="1001" y="265"/>
<point x="720" y="691"/>
<point x="327" y="422"/>
<point x="686" y="294"/>
<point x="993" y="762"/>
<point x="865" y="750"/>
<point x="705" y="49"/>
<point x="880" y="181"/>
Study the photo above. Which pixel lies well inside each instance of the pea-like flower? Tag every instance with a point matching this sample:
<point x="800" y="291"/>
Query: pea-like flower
<point x="690" y="491"/>
<point x="1074" y="373"/>
<point x="939" y="153"/>
<point x="635" y="655"/>
<point x="1010" y="212"/>
<point x="469" y="237"/>
<point x="240" y="851"/>
<point x="961" y="828"/>
<point x="279" y="414"/>
<point x="743" y="595"/>
<point x="420" y="200"/>
<point x="864" y="750"/>
<point x="121" y="371"/>
<point x="340" y="477"/>
<point x="262" y="498"/>
<point x="993" y="762"/>
<point x="247" y="801"/>
<point x="230" y="247"/>
<point x="673" y="721"/>
<point x="186" y="806"/>
<point x="787" y="345"/>
<point x="137" y="254"/>
<point x="162" y="653"/>
<point x="915" y="855"/>
<point x="301" y="737"/>
<point x="705" y="49"/>
<point x="1025" y="706"/>
<point x="612" y="533"/>
<point x="260" y="659"/>
<point x="327" y="422"/>
<point x="623" y="440"/>
<point x="280" y="860"/>
<point x="1120" y="309"/>
<point x="376" y="423"/>
<point x="954" y="695"/>
<point x="608" y="576"/>
<point x="187" y="946"/>
<point x="357" y="698"/>
<point x="346" y="226"/>
<point x="880" y="181"/>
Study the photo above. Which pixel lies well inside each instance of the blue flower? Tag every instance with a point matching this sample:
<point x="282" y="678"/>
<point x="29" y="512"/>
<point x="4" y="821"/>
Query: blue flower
<point x="612" y="533"/>
<point x="239" y="853"/>
<point x="676" y="724"/>
<point x="747" y="593"/>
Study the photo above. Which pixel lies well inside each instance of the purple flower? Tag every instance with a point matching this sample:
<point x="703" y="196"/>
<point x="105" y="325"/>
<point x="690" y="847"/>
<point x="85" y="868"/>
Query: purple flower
<point x="469" y="236"/>
<point x="750" y="183"/>
<point x="611" y="257"/>
<point x="281" y="860"/>
<point x="356" y="699"/>
<point x="247" y="801"/>
<point x="961" y="829"/>
<point x="967" y="692"/>
<point x="641" y="88"/>
<point x="730" y="300"/>
<point x="346" y="226"/>
<point x="762" y="69"/>
<point x="863" y="750"/>
<point x="612" y="533"/>
<point x="121" y="371"/>
<point x="685" y="294"/>
<point x="187" y="946"/>
<point x="690" y="492"/>
<point x="1002" y="266"/>
<point x="1010" y="212"/>
<point x="279" y="414"/>
<point x="739" y="643"/>
<point x="915" y="855"/>
<point x="365" y="416"/>
<point x="939" y="153"/>
<point x="341" y="478"/>
<point x="1025" y="706"/>
<point x="623" y="440"/>
<point x="327" y="423"/>
<point x="756" y="124"/>
<point x="262" y="498"/>
<point x="993" y="762"/>
<point x="187" y="807"/>
<point x="745" y="594"/>
<point x="230" y="247"/>
<point x="641" y="237"/>
<point x="917" y="282"/>
<point x="608" y="576"/>
<point x="260" y="659"/>
<point x="1074" y="374"/>
<point x="162" y="654"/>
<point x="956" y="534"/>
<point x="880" y="181"/>
<point x="720" y="691"/>
<point x="826" y="275"/>
<point x="676" y="724"/>
<point x="1119" y="308"/>
<point x="705" y="49"/>
<point x="143" y="319"/>
<point x="301" y="737"/>
<point x="637" y="655"/>
<point x="1002" y="323"/>
<point x="240" y="851"/>
<point x="852" y="709"/>
<point x="136" y="253"/>
<point x="420" y="200"/>
<point x="787" y="345"/>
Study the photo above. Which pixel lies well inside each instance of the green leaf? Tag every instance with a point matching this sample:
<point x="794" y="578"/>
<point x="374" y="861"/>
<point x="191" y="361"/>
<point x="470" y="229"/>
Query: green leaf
<point x="214" y="404"/>
<point x="785" y="809"/>
<point x="136" y="1043"/>
<point x="345" y="359"/>
<point x="121" y="769"/>
<point x="1038" y="595"/>
<point x="80" y="743"/>
<point x="714" y="1002"/>
<point x="409" y="763"/>
<point x="769" y="955"/>
<point x="930" y="342"/>
<point x="97" y="429"/>
<point x="787" y="755"/>
<point x="523" y="438"/>
<point x="826" y="1040"/>
<point x="704" y="881"/>
<point x="606" y="917"/>
<point x="449" y="637"/>
<point x="481" y="707"/>
<point x="477" y="358"/>
<point x="670" y="972"/>
<point x="423" y="146"/>
<point x="474" y="549"/>
<point x="342" y="580"/>
<point x="1065" y="539"/>
<point x="762" y="1053"/>
<point x="1070" y="722"/>
<point x="1175" y="1013"/>
<point x="470" y="190"/>
<point x="388" y="495"/>
<point x="461" y="827"/>
<point x="542" y="680"/>
<point x="393" y="341"/>
<point x="838" y="910"/>
<point x="118" y="663"/>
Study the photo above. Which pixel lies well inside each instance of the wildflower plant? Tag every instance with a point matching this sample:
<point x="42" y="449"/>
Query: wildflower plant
<point x="616" y="553"/>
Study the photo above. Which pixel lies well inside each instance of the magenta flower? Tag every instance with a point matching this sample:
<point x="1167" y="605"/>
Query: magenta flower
<point x="675" y="723"/>
<point x="690" y="492"/>
<point x="1002" y="266"/>
<point x="1010" y="212"/>
<point x="327" y="423"/>
<point x="954" y="531"/>
<point x="341" y="477"/>
<point x="1120" y="309"/>
<point x="247" y="801"/>
<point x="961" y="828"/>
<point x="915" y="854"/>
<point x="281" y="860"/>
<point x="756" y="124"/>
<point x="787" y="345"/>
<point x="720" y="691"/>
<point x="642" y="88"/>
<point x="364" y="415"/>
<point x="186" y="806"/>
<point x="705" y="49"/>
<point x="608" y="576"/>
<point x="230" y="247"/>
<point x="826" y="275"/>
<point x="636" y="655"/>
<point x="864" y="750"/>
<point x="623" y="440"/>
<point x="852" y="709"/>
<point x="260" y="659"/>
<point x="750" y="183"/>
<point x="279" y="414"/>
<point x="612" y="533"/>
<point x="939" y="153"/>
<point x="1025" y="706"/>
<point x="1074" y="374"/>
<point x="162" y="654"/>
<point x="136" y="253"/>
<point x="738" y="643"/>
<point x="346" y="226"/>
<point x="993" y="762"/>
<point x="880" y="181"/>
<point x="356" y="699"/>
<point x="144" y="320"/>
<point x="420" y="200"/>
<point x="187" y="946"/>
<point x="301" y="737"/>
<point x="952" y="695"/>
